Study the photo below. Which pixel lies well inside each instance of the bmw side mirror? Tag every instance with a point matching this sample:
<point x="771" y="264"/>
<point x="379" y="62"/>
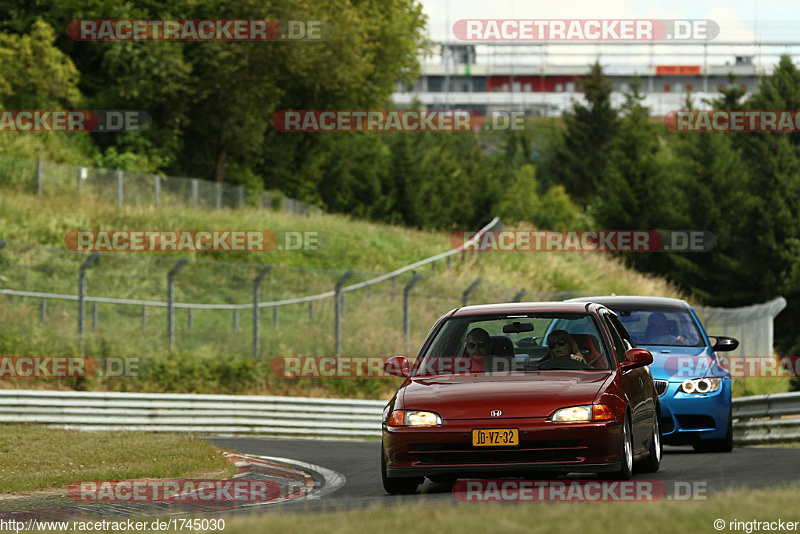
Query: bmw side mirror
<point x="724" y="344"/>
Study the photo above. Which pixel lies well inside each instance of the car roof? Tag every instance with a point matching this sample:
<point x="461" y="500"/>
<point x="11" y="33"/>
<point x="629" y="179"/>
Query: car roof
<point x="524" y="307"/>
<point x="633" y="301"/>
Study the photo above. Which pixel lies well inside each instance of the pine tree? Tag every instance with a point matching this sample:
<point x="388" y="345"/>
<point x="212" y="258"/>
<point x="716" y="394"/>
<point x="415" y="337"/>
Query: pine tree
<point x="581" y="155"/>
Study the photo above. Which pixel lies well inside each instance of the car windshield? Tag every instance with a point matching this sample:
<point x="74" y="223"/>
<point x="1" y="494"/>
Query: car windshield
<point x="661" y="326"/>
<point x="518" y="342"/>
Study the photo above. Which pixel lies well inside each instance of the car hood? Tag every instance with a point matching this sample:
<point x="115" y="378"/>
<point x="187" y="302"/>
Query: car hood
<point x="679" y="363"/>
<point x="530" y="394"/>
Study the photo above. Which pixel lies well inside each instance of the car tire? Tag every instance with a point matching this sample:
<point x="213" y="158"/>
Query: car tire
<point x="398" y="486"/>
<point x="718" y="445"/>
<point x="652" y="463"/>
<point x="626" y="456"/>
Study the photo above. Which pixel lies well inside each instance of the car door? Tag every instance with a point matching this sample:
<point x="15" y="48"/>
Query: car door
<point x="649" y="386"/>
<point x="634" y="384"/>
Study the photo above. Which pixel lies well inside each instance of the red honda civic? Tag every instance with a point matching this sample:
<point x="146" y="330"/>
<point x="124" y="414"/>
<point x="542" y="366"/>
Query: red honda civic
<point x="521" y="390"/>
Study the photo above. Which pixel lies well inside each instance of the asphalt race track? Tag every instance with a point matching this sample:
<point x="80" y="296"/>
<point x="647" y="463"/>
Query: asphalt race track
<point x="346" y="475"/>
<point x="359" y="463"/>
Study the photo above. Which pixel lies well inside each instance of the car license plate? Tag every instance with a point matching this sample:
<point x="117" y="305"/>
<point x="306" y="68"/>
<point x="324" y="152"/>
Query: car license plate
<point x="495" y="437"/>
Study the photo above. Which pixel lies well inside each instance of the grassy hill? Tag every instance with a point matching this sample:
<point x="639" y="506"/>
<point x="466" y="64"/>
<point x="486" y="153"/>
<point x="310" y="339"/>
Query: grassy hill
<point x="213" y="356"/>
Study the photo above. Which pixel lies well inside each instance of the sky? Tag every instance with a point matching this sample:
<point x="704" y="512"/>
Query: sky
<point x="739" y="21"/>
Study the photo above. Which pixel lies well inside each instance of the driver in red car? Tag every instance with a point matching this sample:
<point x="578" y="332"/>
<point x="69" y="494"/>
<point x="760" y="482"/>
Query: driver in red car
<point x="477" y="349"/>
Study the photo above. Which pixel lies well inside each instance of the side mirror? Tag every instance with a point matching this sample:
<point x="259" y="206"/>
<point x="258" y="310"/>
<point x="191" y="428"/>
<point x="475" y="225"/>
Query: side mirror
<point x="637" y="358"/>
<point x="397" y="366"/>
<point x="724" y="344"/>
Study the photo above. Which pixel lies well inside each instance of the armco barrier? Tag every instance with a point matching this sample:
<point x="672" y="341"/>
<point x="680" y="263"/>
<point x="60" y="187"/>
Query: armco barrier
<point x="767" y="418"/>
<point x="202" y="414"/>
<point x="760" y="419"/>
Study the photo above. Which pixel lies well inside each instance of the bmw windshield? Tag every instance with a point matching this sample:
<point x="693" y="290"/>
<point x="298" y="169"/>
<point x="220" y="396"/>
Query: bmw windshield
<point x="661" y="326"/>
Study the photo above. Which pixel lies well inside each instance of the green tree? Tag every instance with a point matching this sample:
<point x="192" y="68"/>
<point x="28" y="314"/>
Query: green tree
<point x="34" y="74"/>
<point x="774" y="164"/>
<point x="581" y="156"/>
<point x="521" y="198"/>
<point x="713" y="179"/>
<point x="356" y="175"/>
<point x="211" y="101"/>
<point x="633" y="192"/>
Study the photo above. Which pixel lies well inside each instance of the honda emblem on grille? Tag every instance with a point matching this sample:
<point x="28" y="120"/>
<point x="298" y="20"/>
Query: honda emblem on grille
<point x="496" y="413"/>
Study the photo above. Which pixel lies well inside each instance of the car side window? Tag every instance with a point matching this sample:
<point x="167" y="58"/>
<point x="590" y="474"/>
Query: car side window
<point x="626" y="337"/>
<point x="616" y="339"/>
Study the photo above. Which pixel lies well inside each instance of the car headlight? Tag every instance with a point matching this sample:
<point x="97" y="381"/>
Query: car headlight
<point x="701" y="385"/>
<point x="583" y="414"/>
<point x="413" y="418"/>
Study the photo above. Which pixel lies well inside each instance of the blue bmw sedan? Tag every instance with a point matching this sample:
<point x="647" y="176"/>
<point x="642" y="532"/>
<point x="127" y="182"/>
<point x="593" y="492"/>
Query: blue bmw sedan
<point x="694" y="387"/>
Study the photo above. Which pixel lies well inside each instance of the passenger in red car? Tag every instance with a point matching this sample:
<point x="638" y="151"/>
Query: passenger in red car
<point x="562" y="345"/>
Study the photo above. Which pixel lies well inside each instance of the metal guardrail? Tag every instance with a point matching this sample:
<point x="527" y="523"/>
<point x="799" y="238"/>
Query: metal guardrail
<point x="202" y="414"/>
<point x="759" y="419"/>
<point x="766" y="418"/>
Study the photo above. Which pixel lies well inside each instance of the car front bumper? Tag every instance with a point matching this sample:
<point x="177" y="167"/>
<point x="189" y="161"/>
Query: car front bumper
<point x="688" y="419"/>
<point x="543" y="446"/>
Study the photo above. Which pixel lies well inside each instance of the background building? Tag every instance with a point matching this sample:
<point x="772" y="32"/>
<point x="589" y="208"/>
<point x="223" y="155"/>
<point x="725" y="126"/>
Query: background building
<point x="541" y="78"/>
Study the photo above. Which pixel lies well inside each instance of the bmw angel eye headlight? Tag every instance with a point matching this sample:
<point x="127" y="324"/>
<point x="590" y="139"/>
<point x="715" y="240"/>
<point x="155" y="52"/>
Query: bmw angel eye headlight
<point x="701" y="385"/>
<point x="414" y="418"/>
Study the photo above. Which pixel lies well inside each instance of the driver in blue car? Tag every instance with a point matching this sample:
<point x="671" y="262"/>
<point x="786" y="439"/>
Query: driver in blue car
<point x="660" y="330"/>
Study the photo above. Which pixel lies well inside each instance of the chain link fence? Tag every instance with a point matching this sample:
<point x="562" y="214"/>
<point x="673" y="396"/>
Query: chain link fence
<point x="751" y="325"/>
<point x="249" y="309"/>
<point x="266" y="311"/>
<point x="137" y="189"/>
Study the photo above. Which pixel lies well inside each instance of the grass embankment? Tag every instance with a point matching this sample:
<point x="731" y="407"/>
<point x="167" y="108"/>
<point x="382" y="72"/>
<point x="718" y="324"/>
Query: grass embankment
<point x="48" y="458"/>
<point x="213" y="357"/>
<point x="347" y="243"/>
<point x="743" y="387"/>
